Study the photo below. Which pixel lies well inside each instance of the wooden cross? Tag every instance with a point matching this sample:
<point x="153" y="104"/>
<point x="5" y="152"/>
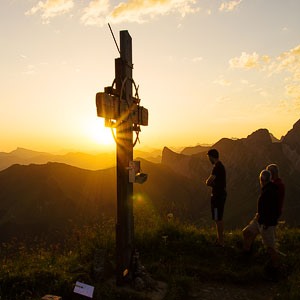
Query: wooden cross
<point x="122" y="111"/>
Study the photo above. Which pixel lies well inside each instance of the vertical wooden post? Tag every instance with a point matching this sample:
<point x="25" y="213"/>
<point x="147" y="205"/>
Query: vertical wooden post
<point x="125" y="224"/>
<point x="122" y="111"/>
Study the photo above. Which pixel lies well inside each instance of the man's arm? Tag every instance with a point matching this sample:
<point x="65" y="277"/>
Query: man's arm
<point x="210" y="180"/>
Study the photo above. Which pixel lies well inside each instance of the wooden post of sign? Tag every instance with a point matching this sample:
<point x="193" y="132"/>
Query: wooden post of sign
<point x="123" y="111"/>
<point x="124" y="135"/>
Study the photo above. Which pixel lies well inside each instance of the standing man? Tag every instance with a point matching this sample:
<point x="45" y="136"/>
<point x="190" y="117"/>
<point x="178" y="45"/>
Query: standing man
<point x="266" y="218"/>
<point x="217" y="181"/>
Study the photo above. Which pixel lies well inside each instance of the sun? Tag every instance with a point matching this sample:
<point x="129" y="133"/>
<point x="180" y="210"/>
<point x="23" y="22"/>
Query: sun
<point x="98" y="133"/>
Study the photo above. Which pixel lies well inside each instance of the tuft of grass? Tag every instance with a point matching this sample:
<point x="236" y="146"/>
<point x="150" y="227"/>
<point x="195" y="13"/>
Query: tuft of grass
<point x="177" y="253"/>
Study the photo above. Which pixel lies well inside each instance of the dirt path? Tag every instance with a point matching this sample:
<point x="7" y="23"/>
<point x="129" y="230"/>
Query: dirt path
<point x="224" y="291"/>
<point x="217" y="291"/>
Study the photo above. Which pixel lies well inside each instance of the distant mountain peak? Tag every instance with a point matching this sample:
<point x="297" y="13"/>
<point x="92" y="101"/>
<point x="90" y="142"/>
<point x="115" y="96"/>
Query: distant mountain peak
<point x="169" y="156"/>
<point x="297" y="125"/>
<point x="166" y="149"/>
<point x="274" y="139"/>
<point x="260" y="136"/>
<point x="25" y="153"/>
<point x="195" y="150"/>
<point x="292" y="138"/>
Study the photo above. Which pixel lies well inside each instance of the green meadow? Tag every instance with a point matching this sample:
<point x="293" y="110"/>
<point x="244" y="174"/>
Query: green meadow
<point x="182" y="257"/>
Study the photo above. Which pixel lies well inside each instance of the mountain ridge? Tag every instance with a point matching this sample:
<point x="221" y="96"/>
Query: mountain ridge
<point x="83" y="160"/>
<point x="53" y="197"/>
<point x="244" y="159"/>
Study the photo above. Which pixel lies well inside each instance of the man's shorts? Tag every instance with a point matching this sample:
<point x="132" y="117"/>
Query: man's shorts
<point x="217" y="207"/>
<point x="267" y="233"/>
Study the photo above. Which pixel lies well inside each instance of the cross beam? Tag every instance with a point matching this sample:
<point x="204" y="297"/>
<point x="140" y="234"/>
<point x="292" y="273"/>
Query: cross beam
<point x="122" y="110"/>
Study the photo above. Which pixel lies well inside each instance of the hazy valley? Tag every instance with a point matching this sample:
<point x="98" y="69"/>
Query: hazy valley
<point x="52" y="197"/>
<point x="99" y="161"/>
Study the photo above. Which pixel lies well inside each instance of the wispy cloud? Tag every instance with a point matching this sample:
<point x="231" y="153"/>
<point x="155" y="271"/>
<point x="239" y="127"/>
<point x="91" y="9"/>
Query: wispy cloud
<point x="30" y="70"/>
<point x="244" y="81"/>
<point x="229" y="5"/>
<point x="138" y="10"/>
<point x="223" y="100"/>
<point x="99" y="12"/>
<point x="263" y="93"/>
<point x="293" y="90"/>
<point x="245" y="61"/>
<point x="96" y="13"/>
<point x="287" y="63"/>
<point x="223" y="82"/>
<point x="51" y="8"/>
<point x="197" y="59"/>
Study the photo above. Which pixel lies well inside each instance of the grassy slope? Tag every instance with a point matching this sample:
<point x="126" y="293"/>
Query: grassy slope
<point x="186" y="260"/>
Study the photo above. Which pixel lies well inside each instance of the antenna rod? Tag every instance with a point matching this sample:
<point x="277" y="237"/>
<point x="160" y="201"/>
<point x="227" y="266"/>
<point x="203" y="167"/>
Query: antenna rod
<point x="114" y="38"/>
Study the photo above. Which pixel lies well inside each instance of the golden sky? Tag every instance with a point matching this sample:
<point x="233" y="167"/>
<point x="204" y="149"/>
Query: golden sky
<point x="206" y="69"/>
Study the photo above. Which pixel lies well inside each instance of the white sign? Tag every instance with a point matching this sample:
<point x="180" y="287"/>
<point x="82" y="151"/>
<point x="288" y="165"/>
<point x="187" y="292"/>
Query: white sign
<point x="84" y="289"/>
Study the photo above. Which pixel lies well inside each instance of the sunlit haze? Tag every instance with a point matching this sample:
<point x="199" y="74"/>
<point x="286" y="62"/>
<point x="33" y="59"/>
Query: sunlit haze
<point x="206" y="69"/>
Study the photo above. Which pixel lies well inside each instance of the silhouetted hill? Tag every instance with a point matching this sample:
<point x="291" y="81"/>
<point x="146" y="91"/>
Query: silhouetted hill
<point x="195" y="150"/>
<point x="292" y="138"/>
<point x="50" y="199"/>
<point x="152" y="155"/>
<point x="82" y="160"/>
<point x="274" y="139"/>
<point x="291" y="146"/>
<point x="244" y="159"/>
<point x="78" y="159"/>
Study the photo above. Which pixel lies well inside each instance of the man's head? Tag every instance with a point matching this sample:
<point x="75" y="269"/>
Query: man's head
<point x="264" y="177"/>
<point x="213" y="155"/>
<point x="273" y="169"/>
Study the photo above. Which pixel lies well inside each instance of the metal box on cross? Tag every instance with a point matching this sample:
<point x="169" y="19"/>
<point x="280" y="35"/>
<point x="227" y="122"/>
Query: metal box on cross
<point x="111" y="106"/>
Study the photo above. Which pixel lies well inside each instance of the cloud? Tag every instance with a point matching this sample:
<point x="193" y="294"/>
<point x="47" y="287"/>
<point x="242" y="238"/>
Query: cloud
<point x="193" y="60"/>
<point x="51" y="8"/>
<point x="223" y="82"/>
<point x="197" y="59"/>
<point x="288" y="61"/>
<point x="137" y="10"/>
<point x="297" y="104"/>
<point x="247" y="61"/>
<point x="99" y="12"/>
<point x="244" y="81"/>
<point x="230" y="5"/>
<point x="96" y="13"/>
<point x="293" y="90"/>
<point x="208" y="12"/>
<point x="263" y="93"/>
<point x="30" y="70"/>
<point x="286" y="64"/>
<point x="223" y="100"/>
